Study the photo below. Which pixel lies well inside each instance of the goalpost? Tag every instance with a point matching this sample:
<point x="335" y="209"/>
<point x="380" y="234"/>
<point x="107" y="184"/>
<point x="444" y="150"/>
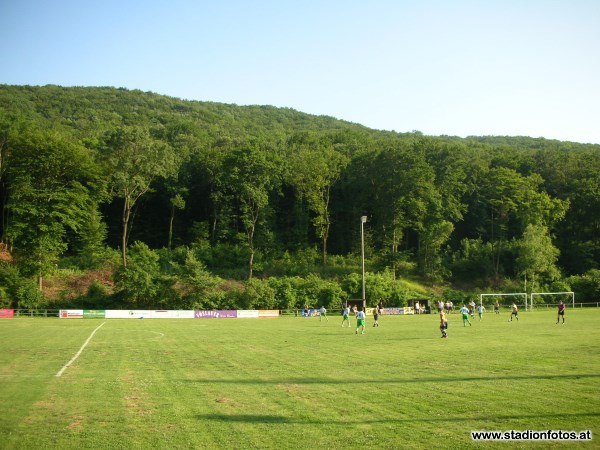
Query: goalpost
<point x="518" y="294"/>
<point x="572" y="294"/>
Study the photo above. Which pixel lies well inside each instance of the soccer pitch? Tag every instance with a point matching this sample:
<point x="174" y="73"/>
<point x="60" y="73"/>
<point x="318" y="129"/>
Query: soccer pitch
<point x="297" y="382"/>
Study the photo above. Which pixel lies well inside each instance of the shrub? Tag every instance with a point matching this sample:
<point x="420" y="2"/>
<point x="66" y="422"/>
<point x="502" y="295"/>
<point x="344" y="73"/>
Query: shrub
<point x="137" y="283"/>
<point x="5" y="300"/>
<point x="258" y="295"/>
<point x="473" y="260"/>
<point x="586" y="286"/>
<point x="286" y="291"/>
<point x="29" y="296"/>
<point x="197" y="287"/>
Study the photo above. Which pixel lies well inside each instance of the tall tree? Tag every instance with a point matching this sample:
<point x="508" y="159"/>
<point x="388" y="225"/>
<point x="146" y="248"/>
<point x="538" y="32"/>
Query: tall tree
<point x="6" y="126"/>
<point x="314" y="168"/>
<point x="514" y="202"/>
<point x="52" y="183"/>
<point x="401" y="194"/>
<point x="134" y="159"/>
<point x="250" y="174"/>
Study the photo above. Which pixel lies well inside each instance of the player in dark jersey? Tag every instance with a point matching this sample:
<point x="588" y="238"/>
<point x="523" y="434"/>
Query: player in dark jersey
<point x="561" y="312"/>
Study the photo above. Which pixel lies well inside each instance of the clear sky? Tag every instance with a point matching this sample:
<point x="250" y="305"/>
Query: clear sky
<point x="479" y="67"/>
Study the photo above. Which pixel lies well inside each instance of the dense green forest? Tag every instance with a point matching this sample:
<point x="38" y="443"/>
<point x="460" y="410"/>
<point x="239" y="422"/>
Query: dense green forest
<point x="188" y="204"/>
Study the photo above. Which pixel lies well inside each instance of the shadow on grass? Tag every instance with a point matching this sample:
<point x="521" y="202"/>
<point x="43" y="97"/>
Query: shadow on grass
<point x="268" y="419"/>
<point x="301" y="381"/>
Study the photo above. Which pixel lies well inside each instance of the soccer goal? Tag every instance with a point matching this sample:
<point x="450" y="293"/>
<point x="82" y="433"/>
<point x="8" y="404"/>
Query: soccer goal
<point x="513" y="294"/>
<point x="568" y="295"/>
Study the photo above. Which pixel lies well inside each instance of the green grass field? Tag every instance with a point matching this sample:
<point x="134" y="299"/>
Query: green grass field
<point x="297" y="383"/>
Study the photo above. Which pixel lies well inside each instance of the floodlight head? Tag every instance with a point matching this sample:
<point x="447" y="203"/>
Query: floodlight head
<point x="363" y="219"/>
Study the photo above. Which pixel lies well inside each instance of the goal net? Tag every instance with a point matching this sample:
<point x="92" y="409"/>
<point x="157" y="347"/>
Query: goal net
<point x="556" y="296"/>
<point x="520" y="298"/>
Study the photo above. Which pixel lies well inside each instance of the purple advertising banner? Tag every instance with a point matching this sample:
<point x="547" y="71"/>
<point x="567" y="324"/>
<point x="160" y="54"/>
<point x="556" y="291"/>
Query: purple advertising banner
<point x="220" y="314"/>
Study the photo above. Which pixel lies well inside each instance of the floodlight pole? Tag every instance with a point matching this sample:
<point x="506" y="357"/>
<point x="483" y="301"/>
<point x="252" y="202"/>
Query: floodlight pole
<point x="363" y="220"/>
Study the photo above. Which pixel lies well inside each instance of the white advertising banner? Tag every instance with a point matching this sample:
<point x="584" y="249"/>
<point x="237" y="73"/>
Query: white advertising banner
<point x="268" y="313"/>
<point x="180" y="314"/>
<point x="127" y="314"/>
<point x="148" y="314"/>
<point x="247" y="314"/>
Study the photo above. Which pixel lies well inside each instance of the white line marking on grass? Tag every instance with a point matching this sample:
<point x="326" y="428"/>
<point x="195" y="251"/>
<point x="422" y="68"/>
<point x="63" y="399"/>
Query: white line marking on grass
<point x="160" y="335"/>
<point x="60" y="372"/>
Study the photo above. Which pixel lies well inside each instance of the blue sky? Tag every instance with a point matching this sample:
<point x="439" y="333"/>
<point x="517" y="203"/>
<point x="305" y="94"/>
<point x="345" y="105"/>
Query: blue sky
<point x="460" y="67"/>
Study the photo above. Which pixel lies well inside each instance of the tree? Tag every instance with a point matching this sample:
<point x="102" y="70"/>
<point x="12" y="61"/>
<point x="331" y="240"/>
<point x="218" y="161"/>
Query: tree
<point x="431" y="240"/>
<point x="134" y="159"/>
<point x="139" y="283"/>
<point x="401" y="195"/>
<point x="196" y="284"/>
<point x="249" y="175"/>
<point x="52" y="184"/>
<point x="314" y="168"/>
<point x="7" y="132"/>
<point x="515" y="201"/>
<point x="176" y="202"/>
<point x="537" y="255"/>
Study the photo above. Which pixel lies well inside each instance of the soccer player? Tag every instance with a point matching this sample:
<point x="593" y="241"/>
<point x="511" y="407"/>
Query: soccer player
<point x="323" y="313"/>
<point x="514" y="313"/>
<point x="360" y="321"/>
<point x="346" y="315"/>
<point x="472" y="308"/>
<point x="443" y="324"/>
<point x="376" y="316"/>
<point x="480" y="311"/>
<point x="561" y="312"/>
<point x="465" y="315"/>
<point x="497" y="307"/>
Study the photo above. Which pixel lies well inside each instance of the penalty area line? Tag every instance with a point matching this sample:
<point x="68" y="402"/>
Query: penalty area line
<point x="60" y="372"/>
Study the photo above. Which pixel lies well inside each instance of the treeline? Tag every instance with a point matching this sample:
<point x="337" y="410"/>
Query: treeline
<point x="205" y="201"/>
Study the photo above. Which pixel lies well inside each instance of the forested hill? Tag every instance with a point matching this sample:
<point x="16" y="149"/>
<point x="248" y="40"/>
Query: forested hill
<point x="92" y="110"/>
<point x="88" y="168"/>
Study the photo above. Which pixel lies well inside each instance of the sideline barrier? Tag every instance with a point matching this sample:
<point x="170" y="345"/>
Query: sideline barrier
<point x="399" y="311"/>
<point x="71" y="314"/>
<point x="7" y="313"/>
<point x="147" y="314"/>
<point x="165" y="314"/>
<point x="215" y="314"/>
<point x="93" y="313"/>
